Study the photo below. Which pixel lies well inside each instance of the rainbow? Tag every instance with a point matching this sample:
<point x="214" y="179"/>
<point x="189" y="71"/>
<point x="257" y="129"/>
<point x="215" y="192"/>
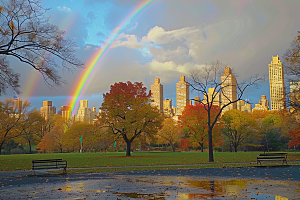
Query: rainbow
<point x="34" y="76"/>
<point x="100" y="54"/>
<point x="31" y="81"/>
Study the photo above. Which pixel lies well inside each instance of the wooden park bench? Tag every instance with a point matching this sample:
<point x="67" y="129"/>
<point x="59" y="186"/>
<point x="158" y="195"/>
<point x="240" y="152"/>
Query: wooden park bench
<point x="269" y="157"/>
<point x="49" y="164"/>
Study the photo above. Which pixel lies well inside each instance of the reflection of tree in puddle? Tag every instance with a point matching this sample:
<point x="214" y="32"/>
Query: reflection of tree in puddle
<point x="232" y="188"/>
<point x="217" y="188"/>
<point x="141" y="195"/>
<point x="73" y="187"/>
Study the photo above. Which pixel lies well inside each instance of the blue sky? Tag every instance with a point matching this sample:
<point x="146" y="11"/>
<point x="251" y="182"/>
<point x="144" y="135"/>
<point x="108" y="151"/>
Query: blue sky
<point x="167" y="41"/>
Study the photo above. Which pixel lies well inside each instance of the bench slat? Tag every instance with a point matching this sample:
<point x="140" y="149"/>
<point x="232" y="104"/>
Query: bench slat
<point x="49" y="164"/>
<point x="272" y="157"/>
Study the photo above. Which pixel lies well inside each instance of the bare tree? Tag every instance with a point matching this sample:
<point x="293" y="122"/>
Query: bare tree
<point x="26" y="35"/>
<point x="208" y="76"/>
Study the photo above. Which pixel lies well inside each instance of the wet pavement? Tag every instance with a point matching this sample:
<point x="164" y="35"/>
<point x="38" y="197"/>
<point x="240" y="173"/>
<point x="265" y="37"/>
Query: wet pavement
<point x="282" y="182"/>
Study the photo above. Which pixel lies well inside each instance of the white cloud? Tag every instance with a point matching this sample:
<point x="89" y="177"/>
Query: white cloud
<point x="159" y="36"/>
<point x="129" y="41"/>
<point x="64" y="8"/>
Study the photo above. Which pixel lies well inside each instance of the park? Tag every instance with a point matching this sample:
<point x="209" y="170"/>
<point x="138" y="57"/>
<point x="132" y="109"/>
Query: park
<point x="151" y="175"/>
<point x="134" y="144"/>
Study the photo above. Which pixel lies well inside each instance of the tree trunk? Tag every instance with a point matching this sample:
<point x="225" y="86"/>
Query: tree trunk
<point x="29" y="146"/>
<point x="173" y="148"/>
<point x="202" y="145"/>
<point x="210" y="145"/>
<point x="235" y="147"/>
<point x="128" y="148"/>
<point x="1" y="145"/>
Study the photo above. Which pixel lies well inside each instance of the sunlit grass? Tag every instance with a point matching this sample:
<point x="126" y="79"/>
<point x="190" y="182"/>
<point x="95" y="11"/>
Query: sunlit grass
<point x="89" y="160"/>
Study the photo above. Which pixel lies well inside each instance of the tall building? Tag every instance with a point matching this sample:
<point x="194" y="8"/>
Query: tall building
<point x="240" y="104"/>
<point x="277" y="90"/>
<point x="229" y="93"/>
<point x="244" y="106"/>
<point x="66" y="112"/>
<point x="157" y="95"/>
<point x="182" y="95"/>
<point x="197" y="101"/>
<point x="47" y="110"/>
<point x="168" y="111"/>
<point x="212" y="96"/>
<point x="84" y="112"/>
<point x="263" y="104"/>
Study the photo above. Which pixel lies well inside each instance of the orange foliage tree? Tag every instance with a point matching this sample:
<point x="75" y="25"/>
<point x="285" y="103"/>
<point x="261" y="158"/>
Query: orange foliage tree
<point x="194" y="120"/>
<point x="295" y="135"/>
<point x="184" y="144"/>
<point x="53" y="140"/>
<point x="127" y="112"/>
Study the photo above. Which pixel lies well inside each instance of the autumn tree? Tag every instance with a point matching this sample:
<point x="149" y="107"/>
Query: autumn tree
<point x="106" y="138"/>
<point x="292" y="69"/>
<point x="275" y="132"/>
<point x="30" y="128"/>
<point x="208" y="76"/>
<point x="295" y="137"/>
<point x="90" y="137"/>
<point x="170" y="133"/>
<point x="127" y="112"/>
<point x="11" y="112"/>
<point x="53" y="140"/>
<point x="184" y="144"/>
<point x="238" y="127"/>
<point x="194" y="121"/>
<point x="26" y="34"/>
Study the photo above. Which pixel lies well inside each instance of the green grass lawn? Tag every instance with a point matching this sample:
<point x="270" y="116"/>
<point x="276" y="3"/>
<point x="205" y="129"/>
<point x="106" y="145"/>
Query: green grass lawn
<point x="77" y="160"/>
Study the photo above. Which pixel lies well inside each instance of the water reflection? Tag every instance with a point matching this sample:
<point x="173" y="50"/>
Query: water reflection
<point x="233" y="188"/>
<point x="184" y="187"/>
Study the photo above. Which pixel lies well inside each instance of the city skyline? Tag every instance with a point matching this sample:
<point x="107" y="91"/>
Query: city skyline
<point x="243" y="35"/>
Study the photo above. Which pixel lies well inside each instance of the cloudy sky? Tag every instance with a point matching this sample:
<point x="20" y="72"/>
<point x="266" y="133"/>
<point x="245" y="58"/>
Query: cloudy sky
<point x="166" y="41"/>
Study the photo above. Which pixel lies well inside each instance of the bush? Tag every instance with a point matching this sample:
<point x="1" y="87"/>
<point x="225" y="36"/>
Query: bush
<point x="17" y="151"/>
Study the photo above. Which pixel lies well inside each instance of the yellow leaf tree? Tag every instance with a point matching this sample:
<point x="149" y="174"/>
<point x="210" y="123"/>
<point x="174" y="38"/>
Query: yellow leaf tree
<point x="11" y="113"/>
<point x="170" y="133"/>
<point x="238" y="126"/>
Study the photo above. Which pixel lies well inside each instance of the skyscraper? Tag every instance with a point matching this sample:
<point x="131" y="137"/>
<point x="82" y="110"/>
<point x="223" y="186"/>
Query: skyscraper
<point x="182" y="95"/>
<point x="277" y="90"/>
<point x="168" y="111"/>
<point x="213" y="97"/>
<point x="47" y="110"/>
<point x="263" y="104"/>
<point x="84" y="113"/>
<point x="66" y="112"/>
<point x="229" y="93"/>
<point x="157" y="95"/>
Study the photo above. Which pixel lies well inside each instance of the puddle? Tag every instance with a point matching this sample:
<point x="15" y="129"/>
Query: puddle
<point x="219" y="189"/>
<point x="142" y="195"/>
